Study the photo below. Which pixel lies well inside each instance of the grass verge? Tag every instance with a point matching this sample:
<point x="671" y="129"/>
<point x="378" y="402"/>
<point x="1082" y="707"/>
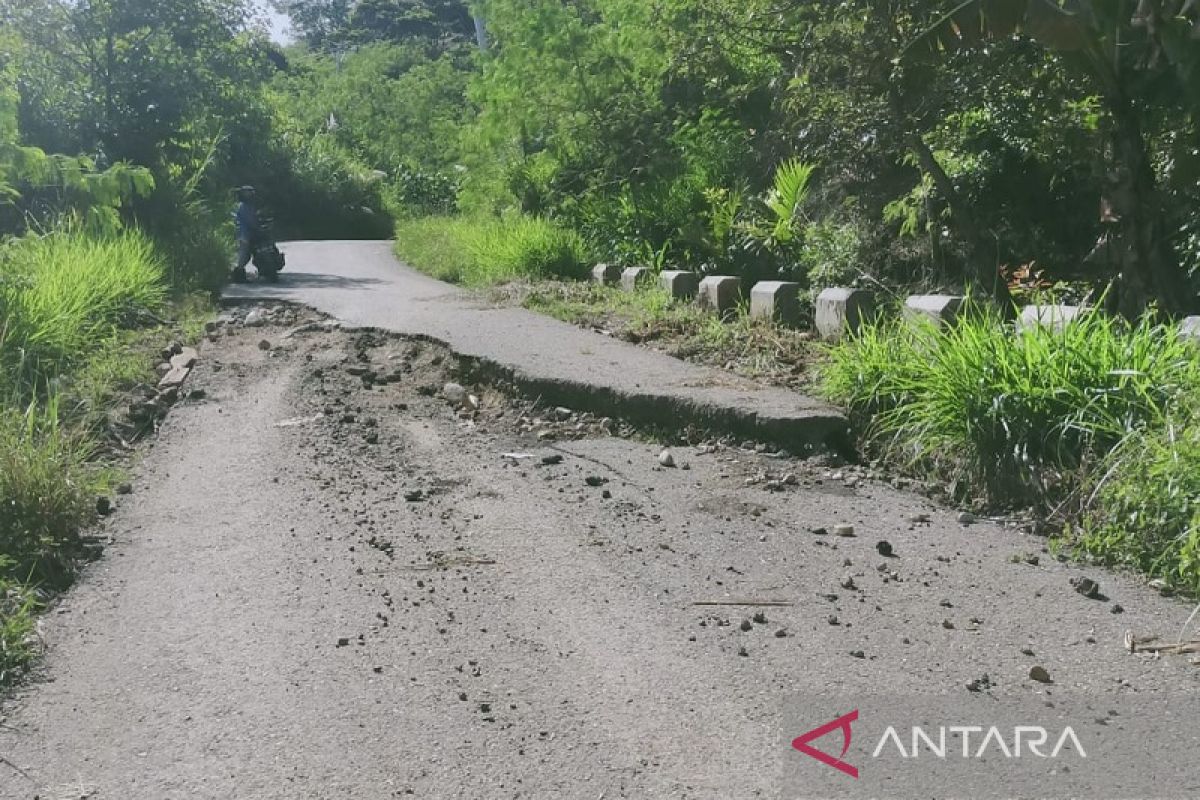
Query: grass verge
<point x="484" y="252"/>
<point x="80" y="330"/>
<point x="1086" y="424"/>
<point x="651" y="317"/>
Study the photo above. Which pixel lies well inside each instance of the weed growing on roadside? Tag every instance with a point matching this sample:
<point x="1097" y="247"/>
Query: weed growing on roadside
<point x="1007" y="415"/>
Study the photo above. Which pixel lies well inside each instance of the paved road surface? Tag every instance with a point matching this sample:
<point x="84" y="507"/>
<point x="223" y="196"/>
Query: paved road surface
<point x="276" y="620"/>
<point x="363" y="284"/>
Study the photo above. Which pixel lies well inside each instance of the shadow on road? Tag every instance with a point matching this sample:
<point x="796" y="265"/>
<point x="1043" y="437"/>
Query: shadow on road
<point x="307" y="280"/>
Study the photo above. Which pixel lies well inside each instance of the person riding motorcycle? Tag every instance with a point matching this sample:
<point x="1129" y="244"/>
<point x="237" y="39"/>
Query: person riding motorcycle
<point x="245" y="218"/>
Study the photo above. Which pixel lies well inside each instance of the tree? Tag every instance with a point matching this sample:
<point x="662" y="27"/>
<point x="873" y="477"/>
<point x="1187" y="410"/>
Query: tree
<point x="132" y="80"/>
<point x="1135" y="61"/>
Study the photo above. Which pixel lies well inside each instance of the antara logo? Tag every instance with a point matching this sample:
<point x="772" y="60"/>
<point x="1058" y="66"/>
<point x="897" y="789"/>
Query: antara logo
<point x="1026" y="740"/>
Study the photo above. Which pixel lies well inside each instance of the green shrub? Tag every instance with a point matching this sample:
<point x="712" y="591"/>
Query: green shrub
<point x="481" y="252"/>
<point x="1008" y="415"/>
<point x="1145" y="507"/>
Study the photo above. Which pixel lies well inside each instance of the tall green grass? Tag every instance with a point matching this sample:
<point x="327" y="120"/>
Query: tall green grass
<point x="1008" y="415"/>
<point x="1143" y="506"/>
<point x="63" y="295"/>
<point x="487" y="251"/>
<point x="63" y="299"/>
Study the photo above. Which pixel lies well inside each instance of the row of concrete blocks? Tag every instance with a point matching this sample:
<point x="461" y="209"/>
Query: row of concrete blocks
<point x="778" y="300"/>
<point x="838" y="310"/>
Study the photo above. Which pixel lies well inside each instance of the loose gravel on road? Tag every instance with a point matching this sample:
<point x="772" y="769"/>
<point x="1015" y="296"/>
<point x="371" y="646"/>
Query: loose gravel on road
<point x="336" y="576"/>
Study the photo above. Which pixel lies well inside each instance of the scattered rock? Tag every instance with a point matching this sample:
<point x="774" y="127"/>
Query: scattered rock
<point x="884" y="548"/>
<point x="414" y="496"/>
<point x="595" y="480"/>
<point x="344" y="641"/>
<point x="967" y="518"/>
<point x="818" y="531"/>
<point x="848" y="583"/>
<point x="781" y="633"/>
<point x="264" y="345"/>
<point x="832" y="619"/>
<point x="1117" y="608"/>
<point x="918" y="519"/>
<point x="1086" y="587"/>
<point x="1027" y="651"/>
<point x="562" y="414"/>
<point x="981" y="684"/>
<point x="454" y="393"/>
<point x="947" y="624"/>
<point x="1039" y="674"/>
<point x="858" y="654"/>
<point x="844" y="530"/>
<point x="743" y="652"/>
<point x="553" y="459"/>
<point x="125" y="488"/>
<point x="256" y="318"/>
<point x="104" y="506"/>
<point x="666" y="458"/>
<point x="760" y="618"/>
<point x="746" y="625"/>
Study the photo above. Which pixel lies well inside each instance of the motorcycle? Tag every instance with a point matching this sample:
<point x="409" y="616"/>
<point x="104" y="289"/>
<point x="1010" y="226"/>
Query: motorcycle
<point x="267" y="258"/>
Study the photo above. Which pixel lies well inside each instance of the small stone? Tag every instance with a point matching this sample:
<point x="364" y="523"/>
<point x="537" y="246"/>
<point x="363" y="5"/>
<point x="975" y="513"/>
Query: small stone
<point x="918" y="519"/>
<point x="760" y="618"/>
<point x="1086" y="587"/>
<point x="1027" y="651"/>
<point x="967" y="518"/>
<point x="1117" y="608"/>
<point x="844" y="530"/>
<point x="832" y="619"/>
<point x="884" y="548"/>
<point x="103" y="506"/>
<point x="256" y="318"/>
<point x="454" y="393"/>
<point x="551" y="460"/>
<point x="343" y="641"/>
<point x="781" y="633"/>
<point x="562" y="413"/>
<point x="745" y="626"/>
<point x="947" y="624"/>
<point x="1039" y="674"/>
<point x="848" y="583"/>
<point x="264" y="345"/>
<point x="666" y="458"/>
<point x="125" y="488"/>
<point x="743" y="652"/>
<point x="414" y="496"/>
<point x="606" y="494"/>
<point x="818" y="531"/>
<point x="372" y="438"/>
<point x="858" y="654"/>
<point x="595" y="480"/>
<point x="377" y="670"/>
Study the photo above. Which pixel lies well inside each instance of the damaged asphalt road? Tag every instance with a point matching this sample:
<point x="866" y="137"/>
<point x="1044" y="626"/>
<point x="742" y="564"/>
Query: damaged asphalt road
<point x="331" y="581"/>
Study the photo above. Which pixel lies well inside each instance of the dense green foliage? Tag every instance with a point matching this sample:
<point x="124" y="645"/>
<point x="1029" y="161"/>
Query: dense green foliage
<point x="483" y="252"/>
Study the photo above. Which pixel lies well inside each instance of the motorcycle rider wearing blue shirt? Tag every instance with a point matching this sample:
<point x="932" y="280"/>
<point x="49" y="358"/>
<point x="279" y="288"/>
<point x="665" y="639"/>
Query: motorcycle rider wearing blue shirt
<point x="245" y="218"/>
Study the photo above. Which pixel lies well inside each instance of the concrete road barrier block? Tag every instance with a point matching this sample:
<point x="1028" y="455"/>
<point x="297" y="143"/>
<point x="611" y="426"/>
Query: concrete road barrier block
<point x="635" y="278"/>
<point x="1189" y="329"/>
<point x="721" y="293"/>
<point x="606" y="274"/>
<point x="842" y="310"/>
<point x="681" y="284"/>
<point x="776" y="300"/>
<point x="1054" y="317"/>
<point x="940" y="309"/>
